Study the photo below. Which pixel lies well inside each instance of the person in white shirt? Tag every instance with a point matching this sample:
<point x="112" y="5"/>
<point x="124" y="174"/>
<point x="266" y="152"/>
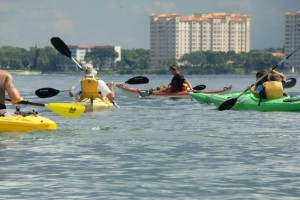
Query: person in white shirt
<point x="91" y="86"/>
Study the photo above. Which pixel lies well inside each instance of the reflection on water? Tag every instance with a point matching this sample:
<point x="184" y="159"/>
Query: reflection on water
<point x="153" y="149"/>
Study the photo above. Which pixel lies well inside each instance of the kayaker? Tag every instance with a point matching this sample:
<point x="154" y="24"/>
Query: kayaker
<point x="258" y="87"/>
<point x="178" y="82"/>
<point x="6" y="85"/>
<point x="273" y="88"/>
<point x="92" y="86"/>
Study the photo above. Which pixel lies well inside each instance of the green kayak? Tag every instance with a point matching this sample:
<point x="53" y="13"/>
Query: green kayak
<point x="248" y="101"/>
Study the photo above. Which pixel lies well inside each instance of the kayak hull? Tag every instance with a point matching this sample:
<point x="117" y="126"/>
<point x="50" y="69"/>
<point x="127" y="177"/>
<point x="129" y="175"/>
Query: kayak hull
<point x="95" y="104"/>
<point x="19" y="123"/>
<point x="137" y="93"/>
<point x="248" y="101"/>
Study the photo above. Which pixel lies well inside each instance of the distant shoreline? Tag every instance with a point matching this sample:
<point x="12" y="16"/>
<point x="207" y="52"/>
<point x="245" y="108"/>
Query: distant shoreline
<point x="25" y="72"/>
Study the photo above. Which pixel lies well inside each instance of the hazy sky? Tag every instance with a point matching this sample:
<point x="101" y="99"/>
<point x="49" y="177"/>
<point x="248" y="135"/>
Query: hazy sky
<point x="26" y="23"/>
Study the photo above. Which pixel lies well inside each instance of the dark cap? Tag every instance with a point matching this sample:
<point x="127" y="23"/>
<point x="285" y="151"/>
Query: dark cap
<point x="174" y="67"/>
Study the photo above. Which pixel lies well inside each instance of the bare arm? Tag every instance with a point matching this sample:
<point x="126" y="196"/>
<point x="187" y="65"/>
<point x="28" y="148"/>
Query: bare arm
<point x="252" y="91"/>
<point x="111" y="88"/>
<point x="282" y="76"/>
<point x="71" y="91"/>
<point x="11" y="90"/>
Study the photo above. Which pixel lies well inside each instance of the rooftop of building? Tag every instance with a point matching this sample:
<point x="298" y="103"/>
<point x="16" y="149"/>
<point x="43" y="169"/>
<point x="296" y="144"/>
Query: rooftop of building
<point x="89" y="46"/>
<point x="205" y="17"/>
<point x="293" y="13"/>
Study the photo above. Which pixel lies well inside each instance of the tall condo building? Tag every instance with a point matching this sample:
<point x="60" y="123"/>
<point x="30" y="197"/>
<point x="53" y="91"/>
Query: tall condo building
<point x="172" y="36"/>
<point x="292" y="40"/>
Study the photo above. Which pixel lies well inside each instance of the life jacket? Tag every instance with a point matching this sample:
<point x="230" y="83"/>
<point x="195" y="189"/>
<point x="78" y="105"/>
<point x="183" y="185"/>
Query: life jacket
<point x="89" y="87"/>
<point x="273" y="89"/>
<point x="184" y="87"/>
<point x="177" y="83"/>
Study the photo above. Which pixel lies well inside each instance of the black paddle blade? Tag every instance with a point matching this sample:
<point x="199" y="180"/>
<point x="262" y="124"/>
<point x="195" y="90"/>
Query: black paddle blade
<point x="199" y="87"/>
<point x="227" y="105"/>
<point x="138" y="80"/>
<point x="61" y="47"/>
<point x="290" y="82"/>
<point x="46" y="92"/>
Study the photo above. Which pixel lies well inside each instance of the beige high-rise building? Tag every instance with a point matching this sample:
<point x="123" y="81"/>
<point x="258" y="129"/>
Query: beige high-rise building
<point x="172" y="36"/>
<point x="292" y="40"/>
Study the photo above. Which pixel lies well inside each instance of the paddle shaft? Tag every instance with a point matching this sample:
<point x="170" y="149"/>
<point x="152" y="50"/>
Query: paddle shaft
<point x="29" y="103"/>
<point x="76" y="63"/>
<point x="115" y="104"/>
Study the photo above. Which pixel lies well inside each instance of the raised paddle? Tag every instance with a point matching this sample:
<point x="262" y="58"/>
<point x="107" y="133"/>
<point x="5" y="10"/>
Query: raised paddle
<point x="62" y="48"/>
<point x="50" y="92"/>
<point x="227" y="105"/>
<point x="69" y="110"/>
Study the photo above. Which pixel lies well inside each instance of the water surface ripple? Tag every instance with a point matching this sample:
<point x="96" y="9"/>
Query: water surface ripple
<point x="153" y="149"/>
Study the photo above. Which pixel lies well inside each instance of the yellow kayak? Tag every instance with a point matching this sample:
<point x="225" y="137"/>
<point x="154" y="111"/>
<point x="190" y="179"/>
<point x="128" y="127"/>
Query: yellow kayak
<point x="94" y="104"/>
<point x="11" y="122"/>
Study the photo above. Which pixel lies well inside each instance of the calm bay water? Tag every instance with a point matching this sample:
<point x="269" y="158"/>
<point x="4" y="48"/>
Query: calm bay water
<point x="153" y="149"/>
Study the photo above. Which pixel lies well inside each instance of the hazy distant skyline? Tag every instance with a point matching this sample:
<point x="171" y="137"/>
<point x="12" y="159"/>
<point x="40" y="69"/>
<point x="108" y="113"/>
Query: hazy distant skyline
<point x="125" y="23"/>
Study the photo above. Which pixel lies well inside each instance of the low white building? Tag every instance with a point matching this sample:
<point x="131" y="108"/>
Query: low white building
<point x="79" y="51"/>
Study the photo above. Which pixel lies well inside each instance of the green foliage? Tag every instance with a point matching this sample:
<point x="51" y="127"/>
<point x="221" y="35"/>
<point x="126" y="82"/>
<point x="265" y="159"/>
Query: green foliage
<point x="12" y="57"/>
<point x="138" y="60"/>
<point x="101" y="56"/>
<point x="229" y="62"/>
<point x="40" y="59"/>
<point x="135" y="59"/>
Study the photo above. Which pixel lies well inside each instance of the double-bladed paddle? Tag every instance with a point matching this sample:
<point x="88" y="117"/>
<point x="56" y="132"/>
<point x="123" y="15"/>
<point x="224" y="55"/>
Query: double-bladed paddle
<point x="227" y="105"/>
<point x="69" y="110"/>
<point x="50" y="92"/>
